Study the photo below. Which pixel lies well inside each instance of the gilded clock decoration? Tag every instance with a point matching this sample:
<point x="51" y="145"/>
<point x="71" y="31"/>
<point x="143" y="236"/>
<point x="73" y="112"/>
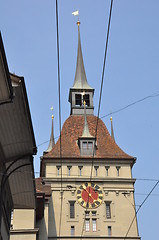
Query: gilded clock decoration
<point x="89" y="195"/>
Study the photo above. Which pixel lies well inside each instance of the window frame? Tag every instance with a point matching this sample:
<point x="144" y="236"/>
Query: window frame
<point x="96" y="170"/>
<point x="87" y="226"/>
<point x="118" y="170"/>
<point x="78" y="99"/>
<point x="86" y="98"/>
<point x="108" y="209"/>
<point x="107" y="170"/>
<point x="94" y="220"/>
<point x="72" y="211"/>
<point x="72" y="230"/>
<point x="69" y="170"/>
<point x="80" y="170"/>
<point x="109" y="231"/>
<point x="58" y="170"/>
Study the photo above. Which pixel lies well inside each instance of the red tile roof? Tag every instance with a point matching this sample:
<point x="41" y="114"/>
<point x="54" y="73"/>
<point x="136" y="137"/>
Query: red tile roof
<point x="41" y="188"/>
<point x="72" y="130"/>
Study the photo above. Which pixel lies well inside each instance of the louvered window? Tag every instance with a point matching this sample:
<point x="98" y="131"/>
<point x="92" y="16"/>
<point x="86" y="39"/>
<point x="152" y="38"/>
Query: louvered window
<point x="72" y="209"/>
<point x="108" y="210"/>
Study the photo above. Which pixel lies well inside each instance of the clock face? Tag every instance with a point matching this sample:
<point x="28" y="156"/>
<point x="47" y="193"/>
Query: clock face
<point x="89" y="195"/>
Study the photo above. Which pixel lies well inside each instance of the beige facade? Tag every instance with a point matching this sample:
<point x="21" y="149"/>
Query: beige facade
<point x="117" y="190"/>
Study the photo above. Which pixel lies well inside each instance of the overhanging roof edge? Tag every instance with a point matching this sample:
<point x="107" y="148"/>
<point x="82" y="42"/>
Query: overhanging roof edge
<point x="6" y="66"/>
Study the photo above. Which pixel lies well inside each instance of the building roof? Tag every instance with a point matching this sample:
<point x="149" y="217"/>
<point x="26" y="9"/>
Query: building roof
<point x="72" y="130"/>
<point x="42" y="188"/>
<point x="86" y="133"/>
<point x="6" y="91"/>
<point x="18" y="145"/>
<point x="52" y="141"/>
<point x="43" y="193"/>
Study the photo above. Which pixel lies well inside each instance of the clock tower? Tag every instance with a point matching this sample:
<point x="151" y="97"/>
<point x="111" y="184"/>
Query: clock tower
<point x="92" y="189"/>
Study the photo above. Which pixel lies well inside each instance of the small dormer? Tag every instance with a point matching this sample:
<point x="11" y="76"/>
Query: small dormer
<point x="86" y="141"/>
<point x="81" y="91"/>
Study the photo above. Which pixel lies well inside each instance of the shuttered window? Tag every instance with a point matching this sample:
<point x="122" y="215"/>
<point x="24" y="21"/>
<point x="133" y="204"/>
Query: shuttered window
<point x="72" y="209"/>
<point x="108" y="210"/>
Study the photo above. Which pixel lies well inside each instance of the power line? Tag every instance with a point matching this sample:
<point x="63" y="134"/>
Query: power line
<point x="131" y="104"/>
<point x="101" y="88"/>
<point x="59" y="93"/>
<point x="100" y="97"/>
<point x="116" y="111"/>
<point x="140" y="208"/>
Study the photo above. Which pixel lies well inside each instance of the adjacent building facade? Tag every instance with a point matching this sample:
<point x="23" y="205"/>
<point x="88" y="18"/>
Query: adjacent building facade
<point x="17" y="147"/>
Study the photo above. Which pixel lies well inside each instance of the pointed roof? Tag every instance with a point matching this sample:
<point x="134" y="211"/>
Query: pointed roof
<point x="86" y="133"/>
<point x="52" y="141"/>
<point x="112" y="131"/>
<point x="80" y="81"/>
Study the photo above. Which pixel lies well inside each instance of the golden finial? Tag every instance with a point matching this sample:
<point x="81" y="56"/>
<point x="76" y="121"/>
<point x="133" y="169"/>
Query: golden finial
<point x="84" y="103"/>
<point x="52" y="116"/>
<point x="78" y="23"/>
<point x="111" y="119"/>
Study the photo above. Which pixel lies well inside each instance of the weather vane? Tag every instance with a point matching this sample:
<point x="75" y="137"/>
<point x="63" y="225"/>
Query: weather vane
<point x="76" y="13"/>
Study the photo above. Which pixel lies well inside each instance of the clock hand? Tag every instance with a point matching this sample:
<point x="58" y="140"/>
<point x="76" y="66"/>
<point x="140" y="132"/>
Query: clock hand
<point x="89" y="194"/>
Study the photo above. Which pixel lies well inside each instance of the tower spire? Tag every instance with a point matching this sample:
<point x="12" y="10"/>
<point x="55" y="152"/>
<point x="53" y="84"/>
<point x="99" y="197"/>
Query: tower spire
<point x="81" y="89"/>
<point x="80" y="81"/>
<point x="112" y="131"/>
<point x="52" y="141"/>
<point x="86" y="133"/>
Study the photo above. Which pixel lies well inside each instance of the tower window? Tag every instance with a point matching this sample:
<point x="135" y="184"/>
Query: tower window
<point x="87" y="145"/>
<point x="80" y="170"/>
<point x="107" y="170"/>
<point x="58" y="170"/>
<point x="72" y="209"/>
<point x="109" y="231"/>
<point x="87" y="213"/>
<point x="78" y="99"/>
<point x="96" y="170"/>
<point x="93" y="213"/>
<point x="72" y="230"/>
<point x="69" y="170"/>
<point x="87" y="225"/>
<point x="118" y="170"/>
<point x="94" y="225"/>
<point x="86" y="99"/>
<point x="84" y="145"/>
<point x="90" y="145"/>
<point x="108" y="210"/>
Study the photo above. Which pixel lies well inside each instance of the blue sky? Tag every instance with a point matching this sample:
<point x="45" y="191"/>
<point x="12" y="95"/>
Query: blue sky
<point x="132" y="71"/>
